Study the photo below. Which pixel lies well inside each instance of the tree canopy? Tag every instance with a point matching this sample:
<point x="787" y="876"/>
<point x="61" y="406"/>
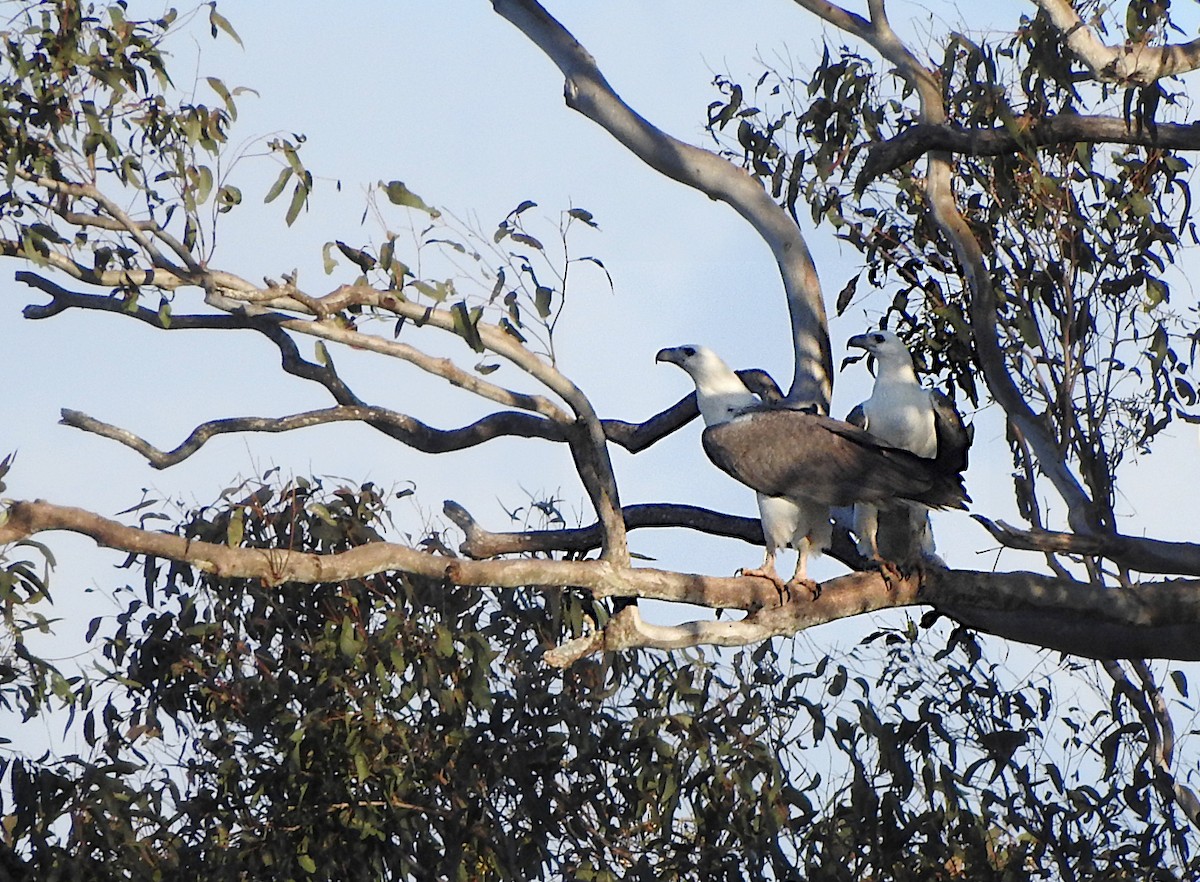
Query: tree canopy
<point x="296" y="687"/>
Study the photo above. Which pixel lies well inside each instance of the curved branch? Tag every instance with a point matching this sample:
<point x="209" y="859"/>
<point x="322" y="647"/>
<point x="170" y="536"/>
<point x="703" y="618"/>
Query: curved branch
<point x="585" y="436"/>
<point x="1135" y="63"/>
<point x="588" y="92"/>
<point x="444" y="368"/>
<point x="840" y="598"/>
<point x="636" y="437"/>
<point x="879" y="34"/>
<point x="273" y="326"/>
<point x="1066" y="128"/>
<point x="400" y="426"/>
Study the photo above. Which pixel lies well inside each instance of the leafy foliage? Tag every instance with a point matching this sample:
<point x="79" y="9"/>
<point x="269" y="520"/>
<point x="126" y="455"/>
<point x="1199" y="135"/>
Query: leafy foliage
<point x="388" y="728"/>
<point x="1079" y="240"/>
<point x="87" y="100"/>
<point x="510" y="277"/>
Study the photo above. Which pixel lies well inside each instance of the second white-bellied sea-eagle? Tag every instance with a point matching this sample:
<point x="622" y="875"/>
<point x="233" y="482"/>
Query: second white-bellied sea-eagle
<point x="904" y="414"/>
<point x="812" y="461"/>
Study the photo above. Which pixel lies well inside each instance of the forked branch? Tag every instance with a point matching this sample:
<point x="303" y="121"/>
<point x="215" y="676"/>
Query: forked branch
<point x="1135" y="62"/>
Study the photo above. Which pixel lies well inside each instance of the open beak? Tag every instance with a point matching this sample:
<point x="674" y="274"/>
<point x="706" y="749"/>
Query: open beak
<point x="860" y="341"/>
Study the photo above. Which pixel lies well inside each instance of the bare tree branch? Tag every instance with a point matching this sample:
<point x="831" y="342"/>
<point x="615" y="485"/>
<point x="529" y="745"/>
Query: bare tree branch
<point x="585" y="436"/>
<point x="587" y="91"/>
<point x="636" y="437"/>
<point x="400" y="426"/>
<point x="273" y="325"/>
<point x="1140" y="554"/>
<point x="1151" y="620"/>
<point x="276" y="566"/>
<point x="840" y="598"/>
<point x="493" y="337"/>
<point x="1068" y="128"/>
<point x="479" y="543"/>
<point x="118" y="278"/>
<point x="1134" y="63"/>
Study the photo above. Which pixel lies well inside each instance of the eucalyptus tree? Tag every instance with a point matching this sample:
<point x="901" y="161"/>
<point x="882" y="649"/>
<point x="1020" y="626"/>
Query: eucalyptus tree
<point x="289" y="677"/>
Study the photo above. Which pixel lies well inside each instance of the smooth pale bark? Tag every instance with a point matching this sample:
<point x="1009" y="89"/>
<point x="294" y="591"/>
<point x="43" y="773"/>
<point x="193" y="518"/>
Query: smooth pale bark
<point x="1133" y="63"/>
<point x="1151" y="620"/>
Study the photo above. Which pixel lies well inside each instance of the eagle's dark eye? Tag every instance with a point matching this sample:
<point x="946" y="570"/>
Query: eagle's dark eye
<point x="689" y="351"/>
<point x="878" y="338"/>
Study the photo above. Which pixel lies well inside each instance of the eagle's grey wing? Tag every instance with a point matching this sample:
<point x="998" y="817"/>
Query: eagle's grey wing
<point x="795" y="454"/>
<point x="884" y="472"/>
<point x="953" y="437"/>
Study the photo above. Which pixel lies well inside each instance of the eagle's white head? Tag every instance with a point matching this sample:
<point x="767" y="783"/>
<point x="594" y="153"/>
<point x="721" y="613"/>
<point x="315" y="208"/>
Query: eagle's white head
<point x="888" y="349"/>
<point x="720" y="393"/>
<point x="882" y="344"/>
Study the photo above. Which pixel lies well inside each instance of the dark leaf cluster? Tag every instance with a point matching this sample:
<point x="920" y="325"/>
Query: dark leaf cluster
<point x="389" y="728"/>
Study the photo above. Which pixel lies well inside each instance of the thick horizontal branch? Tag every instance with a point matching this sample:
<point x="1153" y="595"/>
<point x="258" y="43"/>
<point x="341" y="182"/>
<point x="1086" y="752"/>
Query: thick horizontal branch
<point x="840" y="598"/>
<point x="480" y="544"/>
<point x="1139" y="554"/>
<point x="914" y="142"/>
<point x="276" y="566"/>
<point x="1151" y="620"/>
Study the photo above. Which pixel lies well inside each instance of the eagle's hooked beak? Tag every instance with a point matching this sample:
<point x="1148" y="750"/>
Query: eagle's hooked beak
<point x="862" y="341"/>
<point x="674" y="355"/>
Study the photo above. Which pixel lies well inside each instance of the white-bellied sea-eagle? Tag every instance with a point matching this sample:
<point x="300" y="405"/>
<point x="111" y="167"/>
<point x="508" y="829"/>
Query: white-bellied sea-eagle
<point x="808" y="460"/>
<point x="902" y="413"/>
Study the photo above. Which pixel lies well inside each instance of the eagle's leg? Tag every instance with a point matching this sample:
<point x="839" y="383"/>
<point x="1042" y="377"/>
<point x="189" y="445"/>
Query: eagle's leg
<point x="890" y="572"/>
<point x="800" y="577"/>
<point x="767" y="571"/>
<point x="866" y="531"/>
